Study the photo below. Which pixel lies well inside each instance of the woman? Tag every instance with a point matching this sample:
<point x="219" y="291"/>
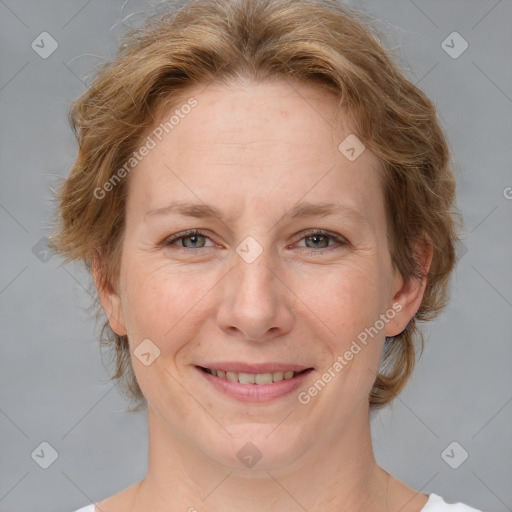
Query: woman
<point x="266" y="206"/>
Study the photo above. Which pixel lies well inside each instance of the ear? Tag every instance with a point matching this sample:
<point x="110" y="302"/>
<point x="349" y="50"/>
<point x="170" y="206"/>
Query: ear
<point x="409" y="294"/>
<point x="110" y="301"/>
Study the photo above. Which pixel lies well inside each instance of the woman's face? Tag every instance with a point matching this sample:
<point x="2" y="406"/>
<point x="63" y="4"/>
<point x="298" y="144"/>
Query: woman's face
<point x="256" y="290"/>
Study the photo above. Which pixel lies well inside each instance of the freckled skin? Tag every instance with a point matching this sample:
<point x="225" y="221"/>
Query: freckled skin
<point x="254" y="151"/>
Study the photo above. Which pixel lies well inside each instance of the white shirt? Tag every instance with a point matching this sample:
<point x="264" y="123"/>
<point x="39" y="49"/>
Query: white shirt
<point x="434" y="504"/>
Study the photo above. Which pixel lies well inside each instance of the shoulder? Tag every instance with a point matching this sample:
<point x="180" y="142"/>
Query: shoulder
<point x="436" y="503"/>
<point x="123" y="500"/>
<point x="88" y="508"/>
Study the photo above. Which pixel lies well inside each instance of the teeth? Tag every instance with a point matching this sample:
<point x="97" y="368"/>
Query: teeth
<point x="247" y="378"/>
<point x="263" y="378"/>
<point x="232" y="376"/>
<point x="253" y="378"/>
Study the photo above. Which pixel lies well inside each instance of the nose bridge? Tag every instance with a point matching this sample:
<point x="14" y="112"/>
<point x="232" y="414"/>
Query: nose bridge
<point x="254" y="277"/>
<point x="257" y="299"/>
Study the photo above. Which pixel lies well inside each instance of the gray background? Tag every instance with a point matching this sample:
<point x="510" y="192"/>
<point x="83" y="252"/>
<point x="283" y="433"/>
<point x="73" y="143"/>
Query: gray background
<point x="54" y="385"/>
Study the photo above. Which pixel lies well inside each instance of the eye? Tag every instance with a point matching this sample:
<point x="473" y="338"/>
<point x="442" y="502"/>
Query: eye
<point x="191" y="239"/>
<point x="313" y="239"/>
<point x="319" y="239"/>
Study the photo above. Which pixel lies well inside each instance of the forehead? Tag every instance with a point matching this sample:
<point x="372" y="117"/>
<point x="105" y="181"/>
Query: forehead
<point x="265" y="144"/>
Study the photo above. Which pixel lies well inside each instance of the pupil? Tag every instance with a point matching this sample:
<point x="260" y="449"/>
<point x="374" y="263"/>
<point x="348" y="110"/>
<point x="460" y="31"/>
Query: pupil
<point x="193" y="238"/>
<point x="316" y="239"/>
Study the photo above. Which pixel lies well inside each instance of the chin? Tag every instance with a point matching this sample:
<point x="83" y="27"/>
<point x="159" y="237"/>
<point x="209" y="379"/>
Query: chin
<point x="257" y="447"/>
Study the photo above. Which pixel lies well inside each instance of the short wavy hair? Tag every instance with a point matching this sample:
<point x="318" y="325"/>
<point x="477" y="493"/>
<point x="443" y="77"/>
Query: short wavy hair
<point x="314" y="41"/>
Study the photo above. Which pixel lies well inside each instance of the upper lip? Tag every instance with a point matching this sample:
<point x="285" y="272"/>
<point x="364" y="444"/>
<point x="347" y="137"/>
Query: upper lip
<point x="233" y="366"/>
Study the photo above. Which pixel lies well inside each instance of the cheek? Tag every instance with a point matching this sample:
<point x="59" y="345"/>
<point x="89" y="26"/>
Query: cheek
<point x="163" y="302"/>
<point x="161" y="305"/>
<point x="347" y="297"/>
<point x="344" y="304"/>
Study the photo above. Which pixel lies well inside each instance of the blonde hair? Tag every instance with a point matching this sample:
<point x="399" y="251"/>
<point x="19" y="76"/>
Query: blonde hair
<point x="314" y="41"/>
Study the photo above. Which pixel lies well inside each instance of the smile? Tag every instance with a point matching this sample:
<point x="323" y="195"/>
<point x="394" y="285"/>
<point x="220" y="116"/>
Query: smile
<point x="254" y="387"/>
<point x="253" y="378"/>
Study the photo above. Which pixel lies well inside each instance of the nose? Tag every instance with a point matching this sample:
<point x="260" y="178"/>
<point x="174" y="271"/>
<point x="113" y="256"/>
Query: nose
<point x="256" y="303"/>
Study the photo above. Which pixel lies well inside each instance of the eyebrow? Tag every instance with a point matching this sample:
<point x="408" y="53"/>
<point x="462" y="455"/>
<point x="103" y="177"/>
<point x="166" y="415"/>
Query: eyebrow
<point x="304" y="209"/>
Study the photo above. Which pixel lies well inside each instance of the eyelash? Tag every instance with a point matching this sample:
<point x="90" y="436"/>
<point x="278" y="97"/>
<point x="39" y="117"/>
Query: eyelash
<point x="308" y="233"/>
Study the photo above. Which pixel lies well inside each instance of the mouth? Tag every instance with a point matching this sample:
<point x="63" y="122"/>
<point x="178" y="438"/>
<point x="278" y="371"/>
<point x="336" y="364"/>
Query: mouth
<point x="254" y="378"/>
<point x="262" y="386"/>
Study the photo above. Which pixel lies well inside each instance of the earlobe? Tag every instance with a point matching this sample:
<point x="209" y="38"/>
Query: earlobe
<point x="110" y="301"/>
<point x="409" y="293"/>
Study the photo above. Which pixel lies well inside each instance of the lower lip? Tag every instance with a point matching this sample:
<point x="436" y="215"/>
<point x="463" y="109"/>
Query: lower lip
<point x="255" y="392"/>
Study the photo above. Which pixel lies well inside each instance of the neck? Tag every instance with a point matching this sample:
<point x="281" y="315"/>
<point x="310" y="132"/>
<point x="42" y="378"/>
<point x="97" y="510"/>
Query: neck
<point x="341" y="477"/>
